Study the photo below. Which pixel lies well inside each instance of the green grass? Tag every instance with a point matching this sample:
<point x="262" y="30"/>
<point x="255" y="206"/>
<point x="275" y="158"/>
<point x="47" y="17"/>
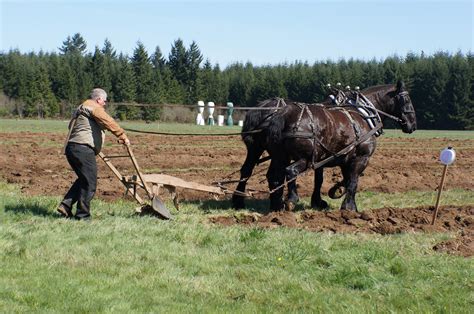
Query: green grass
<point x="123" y="263"/>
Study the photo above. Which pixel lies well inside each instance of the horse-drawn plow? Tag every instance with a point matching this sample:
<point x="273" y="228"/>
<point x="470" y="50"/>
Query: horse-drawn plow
<point x="151" y="184"/>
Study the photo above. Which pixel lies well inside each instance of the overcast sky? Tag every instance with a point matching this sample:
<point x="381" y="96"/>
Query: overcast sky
<point x="260" y="31"/>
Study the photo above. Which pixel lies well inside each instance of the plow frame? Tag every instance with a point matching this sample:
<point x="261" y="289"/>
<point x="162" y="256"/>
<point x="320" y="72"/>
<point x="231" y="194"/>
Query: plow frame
<point x="157" y="181"/>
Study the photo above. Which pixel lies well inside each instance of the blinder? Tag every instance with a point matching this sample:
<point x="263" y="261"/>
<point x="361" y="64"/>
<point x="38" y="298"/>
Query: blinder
<point x="404" y="98"/>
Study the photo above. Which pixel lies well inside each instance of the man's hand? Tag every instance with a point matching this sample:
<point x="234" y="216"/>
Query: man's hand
<point x="125" y="141"/>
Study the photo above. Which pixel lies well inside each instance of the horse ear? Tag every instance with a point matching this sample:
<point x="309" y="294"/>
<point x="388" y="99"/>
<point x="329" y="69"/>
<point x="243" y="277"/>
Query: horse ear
<point x="400" y="86"/>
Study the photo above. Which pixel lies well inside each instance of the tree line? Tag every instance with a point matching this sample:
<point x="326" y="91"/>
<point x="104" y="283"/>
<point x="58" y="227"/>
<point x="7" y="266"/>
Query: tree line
<point x="52" y="84"/>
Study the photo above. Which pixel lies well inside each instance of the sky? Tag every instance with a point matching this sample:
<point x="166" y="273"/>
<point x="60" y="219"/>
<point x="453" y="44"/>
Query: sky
<point x="263" y="32"/>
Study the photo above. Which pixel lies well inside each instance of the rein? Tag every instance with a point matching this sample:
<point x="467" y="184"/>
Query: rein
<point x="193" y="134"/>
<point x="280" y="105"/>
<point x="391" y="116"/>
<point x="396" y="119"/>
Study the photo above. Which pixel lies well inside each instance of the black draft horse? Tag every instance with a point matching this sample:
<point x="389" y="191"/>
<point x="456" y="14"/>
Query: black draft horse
<point x="257" y="143"/>
<point x="308" y="134"/>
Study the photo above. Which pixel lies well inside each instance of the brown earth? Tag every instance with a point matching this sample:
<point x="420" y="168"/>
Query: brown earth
<point x="458" y="219"/>
<point x="35" y="162"/>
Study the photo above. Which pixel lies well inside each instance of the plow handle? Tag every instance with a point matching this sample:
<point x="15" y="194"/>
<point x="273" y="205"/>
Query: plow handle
<point x="137" y="168"/>
<point x="119" y="176"/>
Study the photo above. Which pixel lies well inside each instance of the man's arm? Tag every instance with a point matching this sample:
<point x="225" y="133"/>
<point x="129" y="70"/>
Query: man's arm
<point x="109" y="123"/>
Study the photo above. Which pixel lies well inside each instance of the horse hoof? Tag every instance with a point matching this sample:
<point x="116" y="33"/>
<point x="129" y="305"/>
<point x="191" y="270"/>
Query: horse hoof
<point x="290" y="206"/>
<point x="238" y="202"/>
<point x="349" y="208"/>
<point x="320" y="205"/>
<point x="337" y="191"/>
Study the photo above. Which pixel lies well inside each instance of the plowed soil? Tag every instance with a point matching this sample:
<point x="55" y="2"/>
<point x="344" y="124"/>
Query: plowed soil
<point x="459" y="219"/>
<point x="35" y="162"/>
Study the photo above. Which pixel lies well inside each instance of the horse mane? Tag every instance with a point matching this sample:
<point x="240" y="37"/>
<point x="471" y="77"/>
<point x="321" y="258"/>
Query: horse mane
<point x="378" y="89"/>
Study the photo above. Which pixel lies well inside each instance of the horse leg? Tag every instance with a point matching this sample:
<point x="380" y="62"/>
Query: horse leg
<point x="351" y="173"/>
<point x="253" y="155"/>
<point x="276" y="178"/>
<point x="316" y="200"/>
<point x="292" y="172"/>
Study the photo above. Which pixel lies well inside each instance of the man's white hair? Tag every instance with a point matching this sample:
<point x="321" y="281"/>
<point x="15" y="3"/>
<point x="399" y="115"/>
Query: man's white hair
<point x="98" y="93"/>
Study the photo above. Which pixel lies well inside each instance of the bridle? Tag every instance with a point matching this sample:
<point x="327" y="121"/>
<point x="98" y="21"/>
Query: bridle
<point x="402" y="96"/>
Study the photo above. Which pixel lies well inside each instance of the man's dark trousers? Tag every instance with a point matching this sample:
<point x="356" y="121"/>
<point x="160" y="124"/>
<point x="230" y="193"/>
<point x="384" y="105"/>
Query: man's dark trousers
<point x="82" y="160"/>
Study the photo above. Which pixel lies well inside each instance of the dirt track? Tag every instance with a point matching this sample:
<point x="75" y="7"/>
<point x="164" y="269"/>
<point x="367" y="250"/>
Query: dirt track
<point x="34" y="161"/>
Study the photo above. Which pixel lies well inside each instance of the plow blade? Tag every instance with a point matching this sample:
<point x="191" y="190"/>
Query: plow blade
<point x="160" y="208"/>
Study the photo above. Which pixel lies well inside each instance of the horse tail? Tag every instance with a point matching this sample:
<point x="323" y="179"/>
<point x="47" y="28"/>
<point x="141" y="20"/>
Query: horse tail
<point x="275" y="127"/>
<point x="255" y="120"/>
<point x="251" y="123"/>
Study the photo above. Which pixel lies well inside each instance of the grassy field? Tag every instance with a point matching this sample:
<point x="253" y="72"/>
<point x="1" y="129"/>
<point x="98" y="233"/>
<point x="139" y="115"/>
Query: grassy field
<point x="122" y="263"/>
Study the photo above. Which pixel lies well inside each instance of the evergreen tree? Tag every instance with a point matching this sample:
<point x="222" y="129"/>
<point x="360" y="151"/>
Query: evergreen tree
<point x="124" y="90"/>
<point x="343" y="72"/>
<point x="298" y="83"/>
<point x="178" y="62"/>
<point x="458" y="89"/>
<point x="74" y="45"/>
<point x="372" y="74"/>
<point x="108" y="51"/>
<point x="470" y="105"/>
<point x="268" y="85"/>
<point x="11" y="73"/>
<point x="220" y="91"/>
<point x="356" y="73"/>
<point x="144" y="82"/>
<point x="320" y="76"/>
<point x="111" y="63"/>
<point x="193" y="62"/>
<point x="67" y="89"/>
<point x="207" y="82"/>
<point x="241" y="81"/>
<point x="159" y="64"/>
<point x="391" y="67"/>
<point x="174" y="92"/>
<point x="157" y="59"/>
<point x="100" y="70"/>
<point x="418" y="94"/>
<point x="39" y="98"/>
<point x="437" y="96"/>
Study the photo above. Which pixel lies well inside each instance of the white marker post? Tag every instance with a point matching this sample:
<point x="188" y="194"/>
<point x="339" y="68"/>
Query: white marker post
<point x="447" y="157"/>
<point x="210" y="109"/>
<point x="200" y="118"/>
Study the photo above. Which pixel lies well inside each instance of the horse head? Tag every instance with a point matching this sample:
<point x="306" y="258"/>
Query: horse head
<point x="404" y="109"/>
<point x="394" y="100"/>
